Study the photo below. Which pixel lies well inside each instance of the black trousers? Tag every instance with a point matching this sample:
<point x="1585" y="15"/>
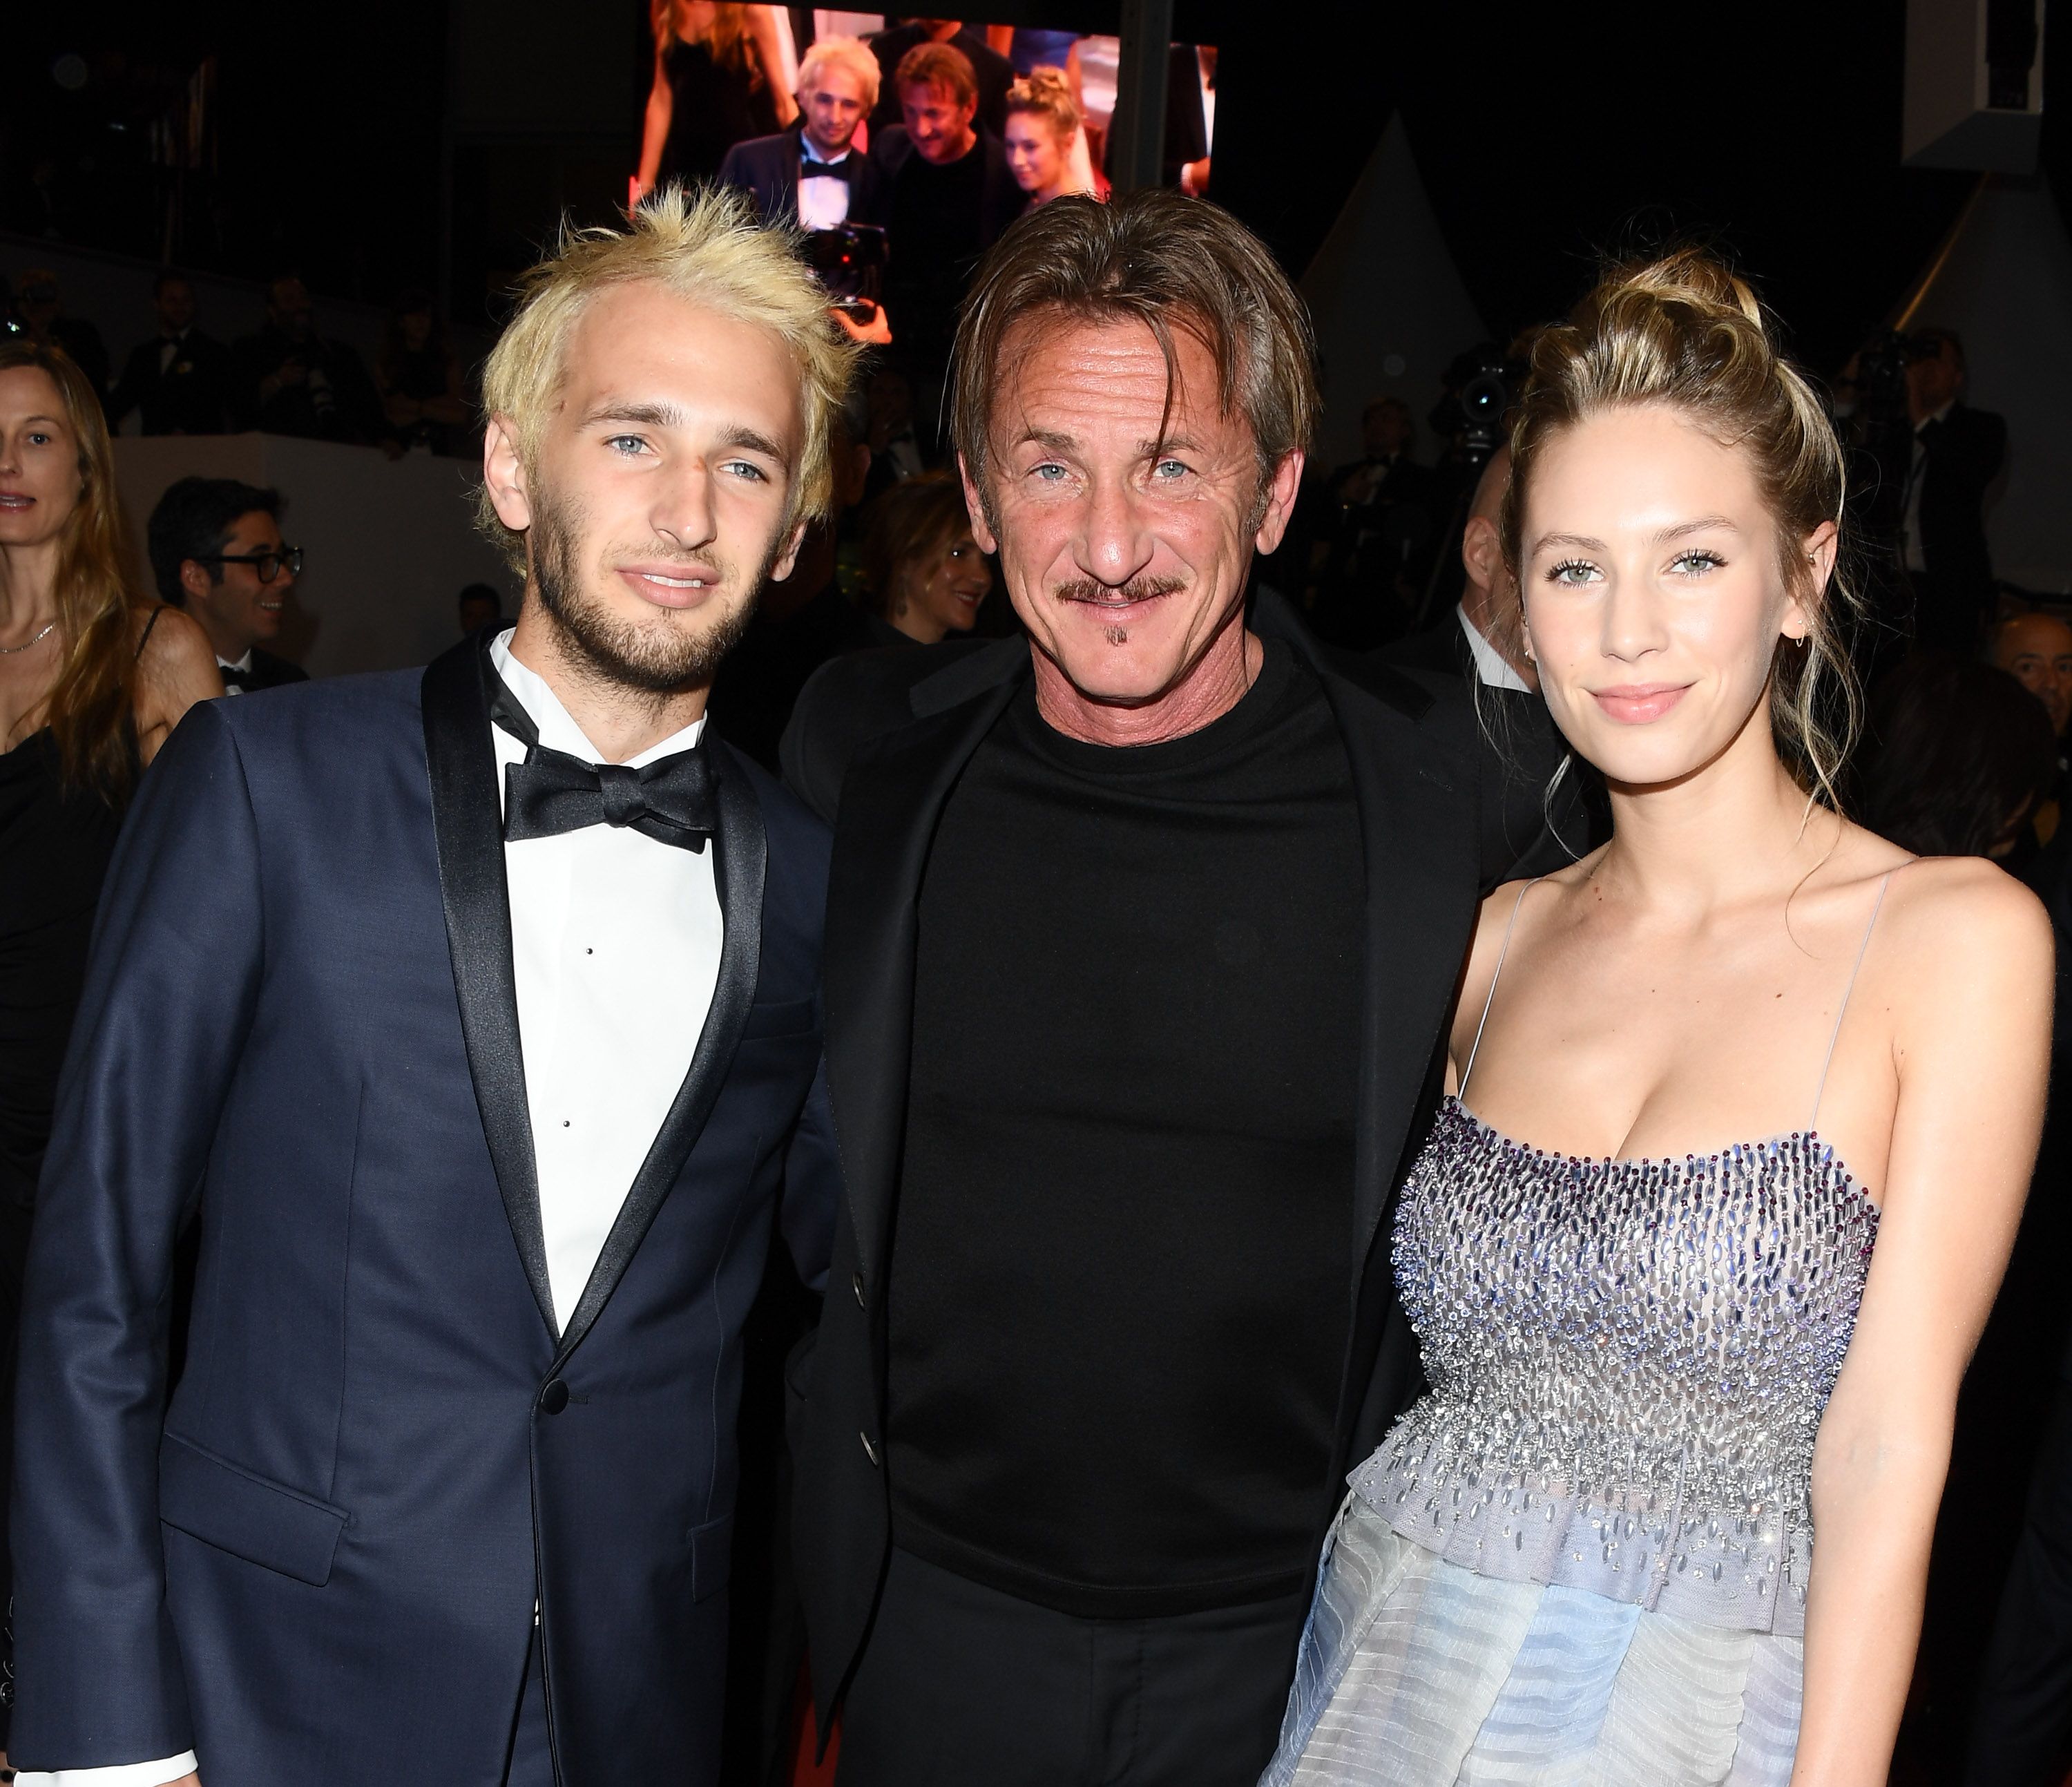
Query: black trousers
<point x="2021" y="1730"/>
<point x="960" y="1684"/>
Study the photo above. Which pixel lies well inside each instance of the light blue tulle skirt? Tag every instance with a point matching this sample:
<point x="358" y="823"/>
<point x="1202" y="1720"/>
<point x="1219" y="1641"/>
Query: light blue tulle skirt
<point x="1415" y="1671"/>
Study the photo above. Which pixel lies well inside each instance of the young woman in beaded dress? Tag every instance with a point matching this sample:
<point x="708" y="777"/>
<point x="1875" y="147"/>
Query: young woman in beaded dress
<point x="1698" y="1251"/>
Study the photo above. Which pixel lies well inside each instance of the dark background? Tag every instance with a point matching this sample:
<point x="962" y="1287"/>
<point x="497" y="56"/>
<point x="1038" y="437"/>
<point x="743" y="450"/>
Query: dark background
<point x="389" y="145"/>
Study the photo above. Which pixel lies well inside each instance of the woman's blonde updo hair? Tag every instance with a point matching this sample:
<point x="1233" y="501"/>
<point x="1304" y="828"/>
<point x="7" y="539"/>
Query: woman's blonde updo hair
<point x="1045" y="92"/>
<point x="1683" y="332"/>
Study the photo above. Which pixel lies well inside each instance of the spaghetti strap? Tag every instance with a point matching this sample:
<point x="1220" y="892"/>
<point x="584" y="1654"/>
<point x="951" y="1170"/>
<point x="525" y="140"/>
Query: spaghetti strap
<point x="1835" y="1035"/>
<point x="1490" y="997"/>
<point x="144" y="638"/>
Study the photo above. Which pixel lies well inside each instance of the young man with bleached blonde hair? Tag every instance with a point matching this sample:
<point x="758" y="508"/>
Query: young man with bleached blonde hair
<point x="492" y="1067"/>
<point x="813" y="172"/>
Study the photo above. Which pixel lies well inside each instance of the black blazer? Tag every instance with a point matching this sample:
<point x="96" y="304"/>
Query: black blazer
<point x="1964" y="454"/>
<point x="1535" y="816"/>
<point x="767" y="169"/>
<point x="1001" y="200"/>
<point x="877" y="743"/>
<point x="300" y="1020"/>
<point x="191" y="396"/>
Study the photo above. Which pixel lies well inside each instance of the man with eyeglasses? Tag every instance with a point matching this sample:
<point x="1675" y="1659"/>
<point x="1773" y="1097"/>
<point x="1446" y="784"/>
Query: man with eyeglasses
<point x="216" y="551"/>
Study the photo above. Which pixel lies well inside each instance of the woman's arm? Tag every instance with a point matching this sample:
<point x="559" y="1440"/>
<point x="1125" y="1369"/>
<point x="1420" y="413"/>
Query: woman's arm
<point x="655" y="130"/>
<point x="1970" y="1010"/>
<point x="178" y="669"/>
<point x="763" y="28"/>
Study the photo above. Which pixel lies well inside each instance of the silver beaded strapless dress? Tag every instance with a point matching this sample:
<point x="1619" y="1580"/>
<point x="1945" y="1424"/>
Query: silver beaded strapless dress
<point x="1582" y="1558"/>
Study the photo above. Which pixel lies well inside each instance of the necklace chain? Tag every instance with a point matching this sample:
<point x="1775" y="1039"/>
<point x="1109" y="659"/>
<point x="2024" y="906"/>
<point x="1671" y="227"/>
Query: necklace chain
<point x="36" y="638"/>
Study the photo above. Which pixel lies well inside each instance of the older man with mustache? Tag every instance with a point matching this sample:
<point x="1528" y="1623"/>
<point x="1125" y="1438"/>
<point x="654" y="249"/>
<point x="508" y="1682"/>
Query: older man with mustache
<point x="1141" y="932"/>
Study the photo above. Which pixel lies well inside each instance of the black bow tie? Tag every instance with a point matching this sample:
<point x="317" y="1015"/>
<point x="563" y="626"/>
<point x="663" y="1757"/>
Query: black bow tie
<point x="810" y="170"/>
<point x="670" y="800"/>
<point x="233" y="678"/>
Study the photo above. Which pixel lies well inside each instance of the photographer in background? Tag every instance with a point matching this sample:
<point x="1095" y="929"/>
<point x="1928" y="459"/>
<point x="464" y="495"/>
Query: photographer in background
<point x="1935" y="457"/>
<point x="1382" y="512"/>
<point x="41" y="307"/>
<point x="292" y="381"/>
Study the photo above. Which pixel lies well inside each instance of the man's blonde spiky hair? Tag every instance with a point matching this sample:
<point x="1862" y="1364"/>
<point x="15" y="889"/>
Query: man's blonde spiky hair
<point x="706" y="248"/>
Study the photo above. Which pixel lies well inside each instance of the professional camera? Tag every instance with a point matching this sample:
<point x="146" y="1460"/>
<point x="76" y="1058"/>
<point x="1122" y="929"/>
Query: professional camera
<point x="1479" y="388"/>
<point x="848" y="260"/>
<point x="1881" y="364"/>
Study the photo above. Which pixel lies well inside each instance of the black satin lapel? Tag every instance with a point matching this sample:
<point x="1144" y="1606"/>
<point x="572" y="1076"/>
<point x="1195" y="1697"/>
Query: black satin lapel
<point x="466" y="820"/>
<point x="1418" y="842"/>
<point x="740" y="863"/>
<point x="893" y="798"/>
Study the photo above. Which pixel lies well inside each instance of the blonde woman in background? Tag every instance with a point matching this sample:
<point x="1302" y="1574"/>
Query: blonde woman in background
<point x="1747" y="1101"/>
<point x="1046" y="140"/>
<point x="94" y="675"/>
<point x="719" y="80"/>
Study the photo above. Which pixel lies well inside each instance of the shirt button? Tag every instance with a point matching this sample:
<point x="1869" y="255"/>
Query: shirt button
<point x="870" y="1451"/>
<point x="555" y="1397"/>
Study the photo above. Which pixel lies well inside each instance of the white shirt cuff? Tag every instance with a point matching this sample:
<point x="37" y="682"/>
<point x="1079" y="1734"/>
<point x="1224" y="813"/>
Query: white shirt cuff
<point x="120" y="1774"/>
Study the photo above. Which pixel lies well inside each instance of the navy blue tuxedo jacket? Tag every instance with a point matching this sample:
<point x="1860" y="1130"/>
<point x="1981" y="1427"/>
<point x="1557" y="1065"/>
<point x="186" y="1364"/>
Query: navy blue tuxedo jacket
<point x="320" y="1564"/>
<point x="767" y="167"/>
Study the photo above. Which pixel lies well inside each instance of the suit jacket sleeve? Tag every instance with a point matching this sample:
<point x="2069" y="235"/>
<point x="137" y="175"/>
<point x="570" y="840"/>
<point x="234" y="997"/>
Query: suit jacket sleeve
<point x="810" y="752"/>
<point x="1969" y="454"/>
<point x="171" y="985"/>
<point x="735" y="170"/>
<point x="812" y="1187"/>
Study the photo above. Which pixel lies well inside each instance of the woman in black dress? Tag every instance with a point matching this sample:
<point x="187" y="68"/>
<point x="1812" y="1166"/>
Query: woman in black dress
<point x="94" y="676"/>
<point x="719" y="79"/>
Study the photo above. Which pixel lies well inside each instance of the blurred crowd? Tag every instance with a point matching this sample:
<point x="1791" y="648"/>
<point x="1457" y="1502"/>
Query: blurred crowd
<point x="286" y="377"/>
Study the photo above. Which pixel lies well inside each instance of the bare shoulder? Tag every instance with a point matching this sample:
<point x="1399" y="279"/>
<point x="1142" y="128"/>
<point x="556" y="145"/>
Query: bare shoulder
<point x="1503" y="911"/>
<point x="1968" y="906"/>
<point x="1961" y="929"/>
<point x="170" y="644"/>
<point x="176" y="669"/>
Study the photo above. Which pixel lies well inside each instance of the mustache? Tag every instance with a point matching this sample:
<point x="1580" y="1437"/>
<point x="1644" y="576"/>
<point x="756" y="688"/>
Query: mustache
<point x="660" y="555"/>
<point x="1102" y="595"/>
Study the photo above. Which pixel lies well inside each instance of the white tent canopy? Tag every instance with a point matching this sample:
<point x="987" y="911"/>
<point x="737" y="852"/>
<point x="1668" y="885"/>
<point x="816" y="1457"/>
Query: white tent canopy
<point x="2005" y="286"/>
<point x="1390" y="309"/>
<point x="1392" y="312"/>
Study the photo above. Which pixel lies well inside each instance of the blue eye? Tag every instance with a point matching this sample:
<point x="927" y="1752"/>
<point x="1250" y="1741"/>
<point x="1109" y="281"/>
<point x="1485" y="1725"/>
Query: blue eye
<point x="1572" y="573"/>
<point x="1697" y="563"/>
<point x="626" y="444"/>
<point x="1167" y="470"/>
<point x="754" y="473"/>
<point x="1045" y="472"/>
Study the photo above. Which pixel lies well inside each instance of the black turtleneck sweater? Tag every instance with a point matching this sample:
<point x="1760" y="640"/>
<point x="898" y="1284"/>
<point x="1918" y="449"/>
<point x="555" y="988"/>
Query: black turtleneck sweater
<point x="1121" y="1270"/>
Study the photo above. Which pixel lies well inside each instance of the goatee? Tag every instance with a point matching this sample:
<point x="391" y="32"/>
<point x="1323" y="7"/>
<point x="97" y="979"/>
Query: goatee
<point x="661" y="658"/>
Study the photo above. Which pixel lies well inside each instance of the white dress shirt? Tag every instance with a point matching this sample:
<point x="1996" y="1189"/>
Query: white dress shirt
<point x="1491" y="671"/>
<point x="1912" y="521"/>
<point x="615" y="940"/>
<point x="823" y="204"/>
<point x="242" y="666"/>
